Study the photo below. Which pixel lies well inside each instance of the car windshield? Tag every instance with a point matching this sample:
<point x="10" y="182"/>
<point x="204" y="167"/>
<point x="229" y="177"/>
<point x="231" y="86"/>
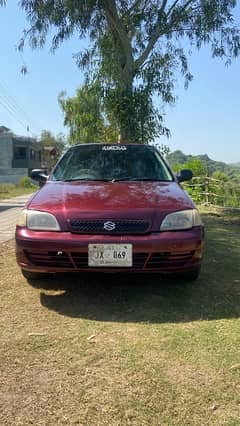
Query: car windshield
<point x="112" y="163"/>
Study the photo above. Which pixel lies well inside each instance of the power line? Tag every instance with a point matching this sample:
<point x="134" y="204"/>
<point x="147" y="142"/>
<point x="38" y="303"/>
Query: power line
<point x="12" y="103"/>
<point x="8" y="104"/>
<point x="13" y="114"/>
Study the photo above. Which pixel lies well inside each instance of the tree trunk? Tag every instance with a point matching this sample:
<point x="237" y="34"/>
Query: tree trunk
<point x="126" y="111"/>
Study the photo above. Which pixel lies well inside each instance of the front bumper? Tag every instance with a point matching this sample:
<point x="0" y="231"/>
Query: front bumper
<point x="162" y="252"/>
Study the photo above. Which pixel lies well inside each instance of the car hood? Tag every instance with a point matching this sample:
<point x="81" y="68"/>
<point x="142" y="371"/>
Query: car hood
<point x="110" y="200"/>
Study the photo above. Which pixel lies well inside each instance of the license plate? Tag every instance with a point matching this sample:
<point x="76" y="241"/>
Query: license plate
<point x="118" y="255"/>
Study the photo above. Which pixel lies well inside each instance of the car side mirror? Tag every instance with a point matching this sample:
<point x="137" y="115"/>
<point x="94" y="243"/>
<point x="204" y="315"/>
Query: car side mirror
<point x="184" y="175"/>
<point x="39" y="175"/>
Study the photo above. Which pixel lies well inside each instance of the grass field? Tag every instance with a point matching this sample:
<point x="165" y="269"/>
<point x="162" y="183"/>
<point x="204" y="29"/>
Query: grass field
<point x="8" y="190"/>
<point x="124" y="350"/>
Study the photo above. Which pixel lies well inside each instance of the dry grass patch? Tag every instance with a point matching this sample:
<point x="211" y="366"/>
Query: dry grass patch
<point x="8" y="190"/>
<point x="129" y="350"/>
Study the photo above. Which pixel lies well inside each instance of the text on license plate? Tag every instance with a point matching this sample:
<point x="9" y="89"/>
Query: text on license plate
<point x="118" y="255"/>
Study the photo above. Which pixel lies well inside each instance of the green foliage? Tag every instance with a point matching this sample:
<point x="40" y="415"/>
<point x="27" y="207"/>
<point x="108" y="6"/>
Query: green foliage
<point x="26" y="182"/>
<point x="209" y="187"/>
<point x="9" y="190"/>
<point x="85" y="116"/>
<point x="210" y="191"/>
<point x="197" y="166"/>
<point x="93" y="115"/>
<point x="49" y="140"/>
<point x="163" y="149"/>
<point x="178" y="159"/>
<point x="220" y="176"/>
<point x="136" y="117"/>
<point x="136" y="48"/>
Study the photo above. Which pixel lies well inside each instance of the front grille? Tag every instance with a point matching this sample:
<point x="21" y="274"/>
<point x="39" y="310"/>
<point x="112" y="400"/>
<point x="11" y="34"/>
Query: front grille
<point x="144" y="261"/>
<point x="79" y="260"/>
<point x="139" y="260"/>
<point x="165" y="260"/>
<point x="109" y="227"/>
<point x="54" y="259"/>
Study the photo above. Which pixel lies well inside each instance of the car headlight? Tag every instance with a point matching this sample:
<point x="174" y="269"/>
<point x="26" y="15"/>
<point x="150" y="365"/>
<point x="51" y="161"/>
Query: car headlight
<point x="38" y="221"/>
<point x="184" y="219"/>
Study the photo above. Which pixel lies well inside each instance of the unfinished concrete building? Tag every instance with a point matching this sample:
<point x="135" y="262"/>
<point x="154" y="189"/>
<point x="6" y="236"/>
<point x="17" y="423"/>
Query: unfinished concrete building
<point x="18" y="156"/>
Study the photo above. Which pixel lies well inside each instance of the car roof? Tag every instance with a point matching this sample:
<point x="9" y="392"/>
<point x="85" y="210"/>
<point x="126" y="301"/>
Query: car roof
<point x="111" y="144"/>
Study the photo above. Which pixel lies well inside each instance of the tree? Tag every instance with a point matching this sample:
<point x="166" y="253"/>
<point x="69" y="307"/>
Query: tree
<point x="91" y="117"/>
<point x="197" y="166"/>
<point x="135" y="47"/>
<point x="54" y="143"/>
<point x="84" y="115"/>
<point x="197" y="186"/>
<point x="220" y="176"/>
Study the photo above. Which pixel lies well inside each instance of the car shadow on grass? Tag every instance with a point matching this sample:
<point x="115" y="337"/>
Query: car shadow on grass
<point x="152" y="298"/>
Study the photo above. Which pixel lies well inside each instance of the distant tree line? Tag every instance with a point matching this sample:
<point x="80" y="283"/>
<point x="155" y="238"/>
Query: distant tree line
<point x="214" y="183"/>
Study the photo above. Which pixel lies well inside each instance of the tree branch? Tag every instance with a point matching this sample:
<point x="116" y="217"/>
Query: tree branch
<point x="172" y="7"/>
<point x="158" y="31"/>
<point x="154" y="37"/>
<point x="162" y="8"/>
<point x="134" y="6"/>
<point x="115" y="23"/>
<point x="175" y="19"/>
<point x="184" y="7"/>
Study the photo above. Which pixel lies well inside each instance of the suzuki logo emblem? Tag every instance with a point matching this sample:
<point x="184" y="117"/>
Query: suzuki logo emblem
<point x="109" y="226"/>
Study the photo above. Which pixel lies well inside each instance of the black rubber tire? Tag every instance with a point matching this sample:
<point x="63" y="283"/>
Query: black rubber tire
<point x="189" y="276"/>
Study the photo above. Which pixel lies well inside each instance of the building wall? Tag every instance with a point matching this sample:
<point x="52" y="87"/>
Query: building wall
<point x="12" y="175"/>
<point x="6" y="150"/>
<point x="27" y="152"/>
<point x="13" y="166"/>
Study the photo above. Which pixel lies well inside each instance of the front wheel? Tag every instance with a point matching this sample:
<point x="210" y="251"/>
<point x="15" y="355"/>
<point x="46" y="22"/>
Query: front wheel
<point x="189" y="275"/>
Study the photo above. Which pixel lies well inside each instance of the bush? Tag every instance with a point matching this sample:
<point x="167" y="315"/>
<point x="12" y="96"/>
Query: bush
<point x="26" y="182"/>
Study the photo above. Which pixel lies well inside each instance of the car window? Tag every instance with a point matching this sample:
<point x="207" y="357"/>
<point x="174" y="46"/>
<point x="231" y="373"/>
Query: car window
<point x="111" y="162"/>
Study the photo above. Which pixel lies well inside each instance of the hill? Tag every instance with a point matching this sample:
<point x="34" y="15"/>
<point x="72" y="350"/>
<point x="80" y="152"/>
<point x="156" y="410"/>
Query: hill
<point x="178" y="157"/>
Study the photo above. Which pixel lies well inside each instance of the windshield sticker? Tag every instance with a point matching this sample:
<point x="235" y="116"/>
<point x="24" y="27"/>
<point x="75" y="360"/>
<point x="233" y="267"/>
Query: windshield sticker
<point x="114" y="148"/>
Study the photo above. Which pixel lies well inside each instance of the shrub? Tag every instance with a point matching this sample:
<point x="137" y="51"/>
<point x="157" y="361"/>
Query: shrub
<point x="26" y="182"/>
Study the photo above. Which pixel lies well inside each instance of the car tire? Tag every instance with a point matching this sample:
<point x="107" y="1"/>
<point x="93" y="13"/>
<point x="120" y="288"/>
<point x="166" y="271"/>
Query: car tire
<point x="34" y="276"/>
<point x="190" y="275"/>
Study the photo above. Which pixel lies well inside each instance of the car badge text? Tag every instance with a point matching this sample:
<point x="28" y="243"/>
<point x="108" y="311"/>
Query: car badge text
<point x="114" y="148"/>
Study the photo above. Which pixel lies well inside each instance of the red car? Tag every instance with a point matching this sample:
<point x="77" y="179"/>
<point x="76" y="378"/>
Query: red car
<point x="110" y="208"/>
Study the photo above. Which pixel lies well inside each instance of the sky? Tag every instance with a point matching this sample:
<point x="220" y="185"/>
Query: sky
<point x="204" y="120"/>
